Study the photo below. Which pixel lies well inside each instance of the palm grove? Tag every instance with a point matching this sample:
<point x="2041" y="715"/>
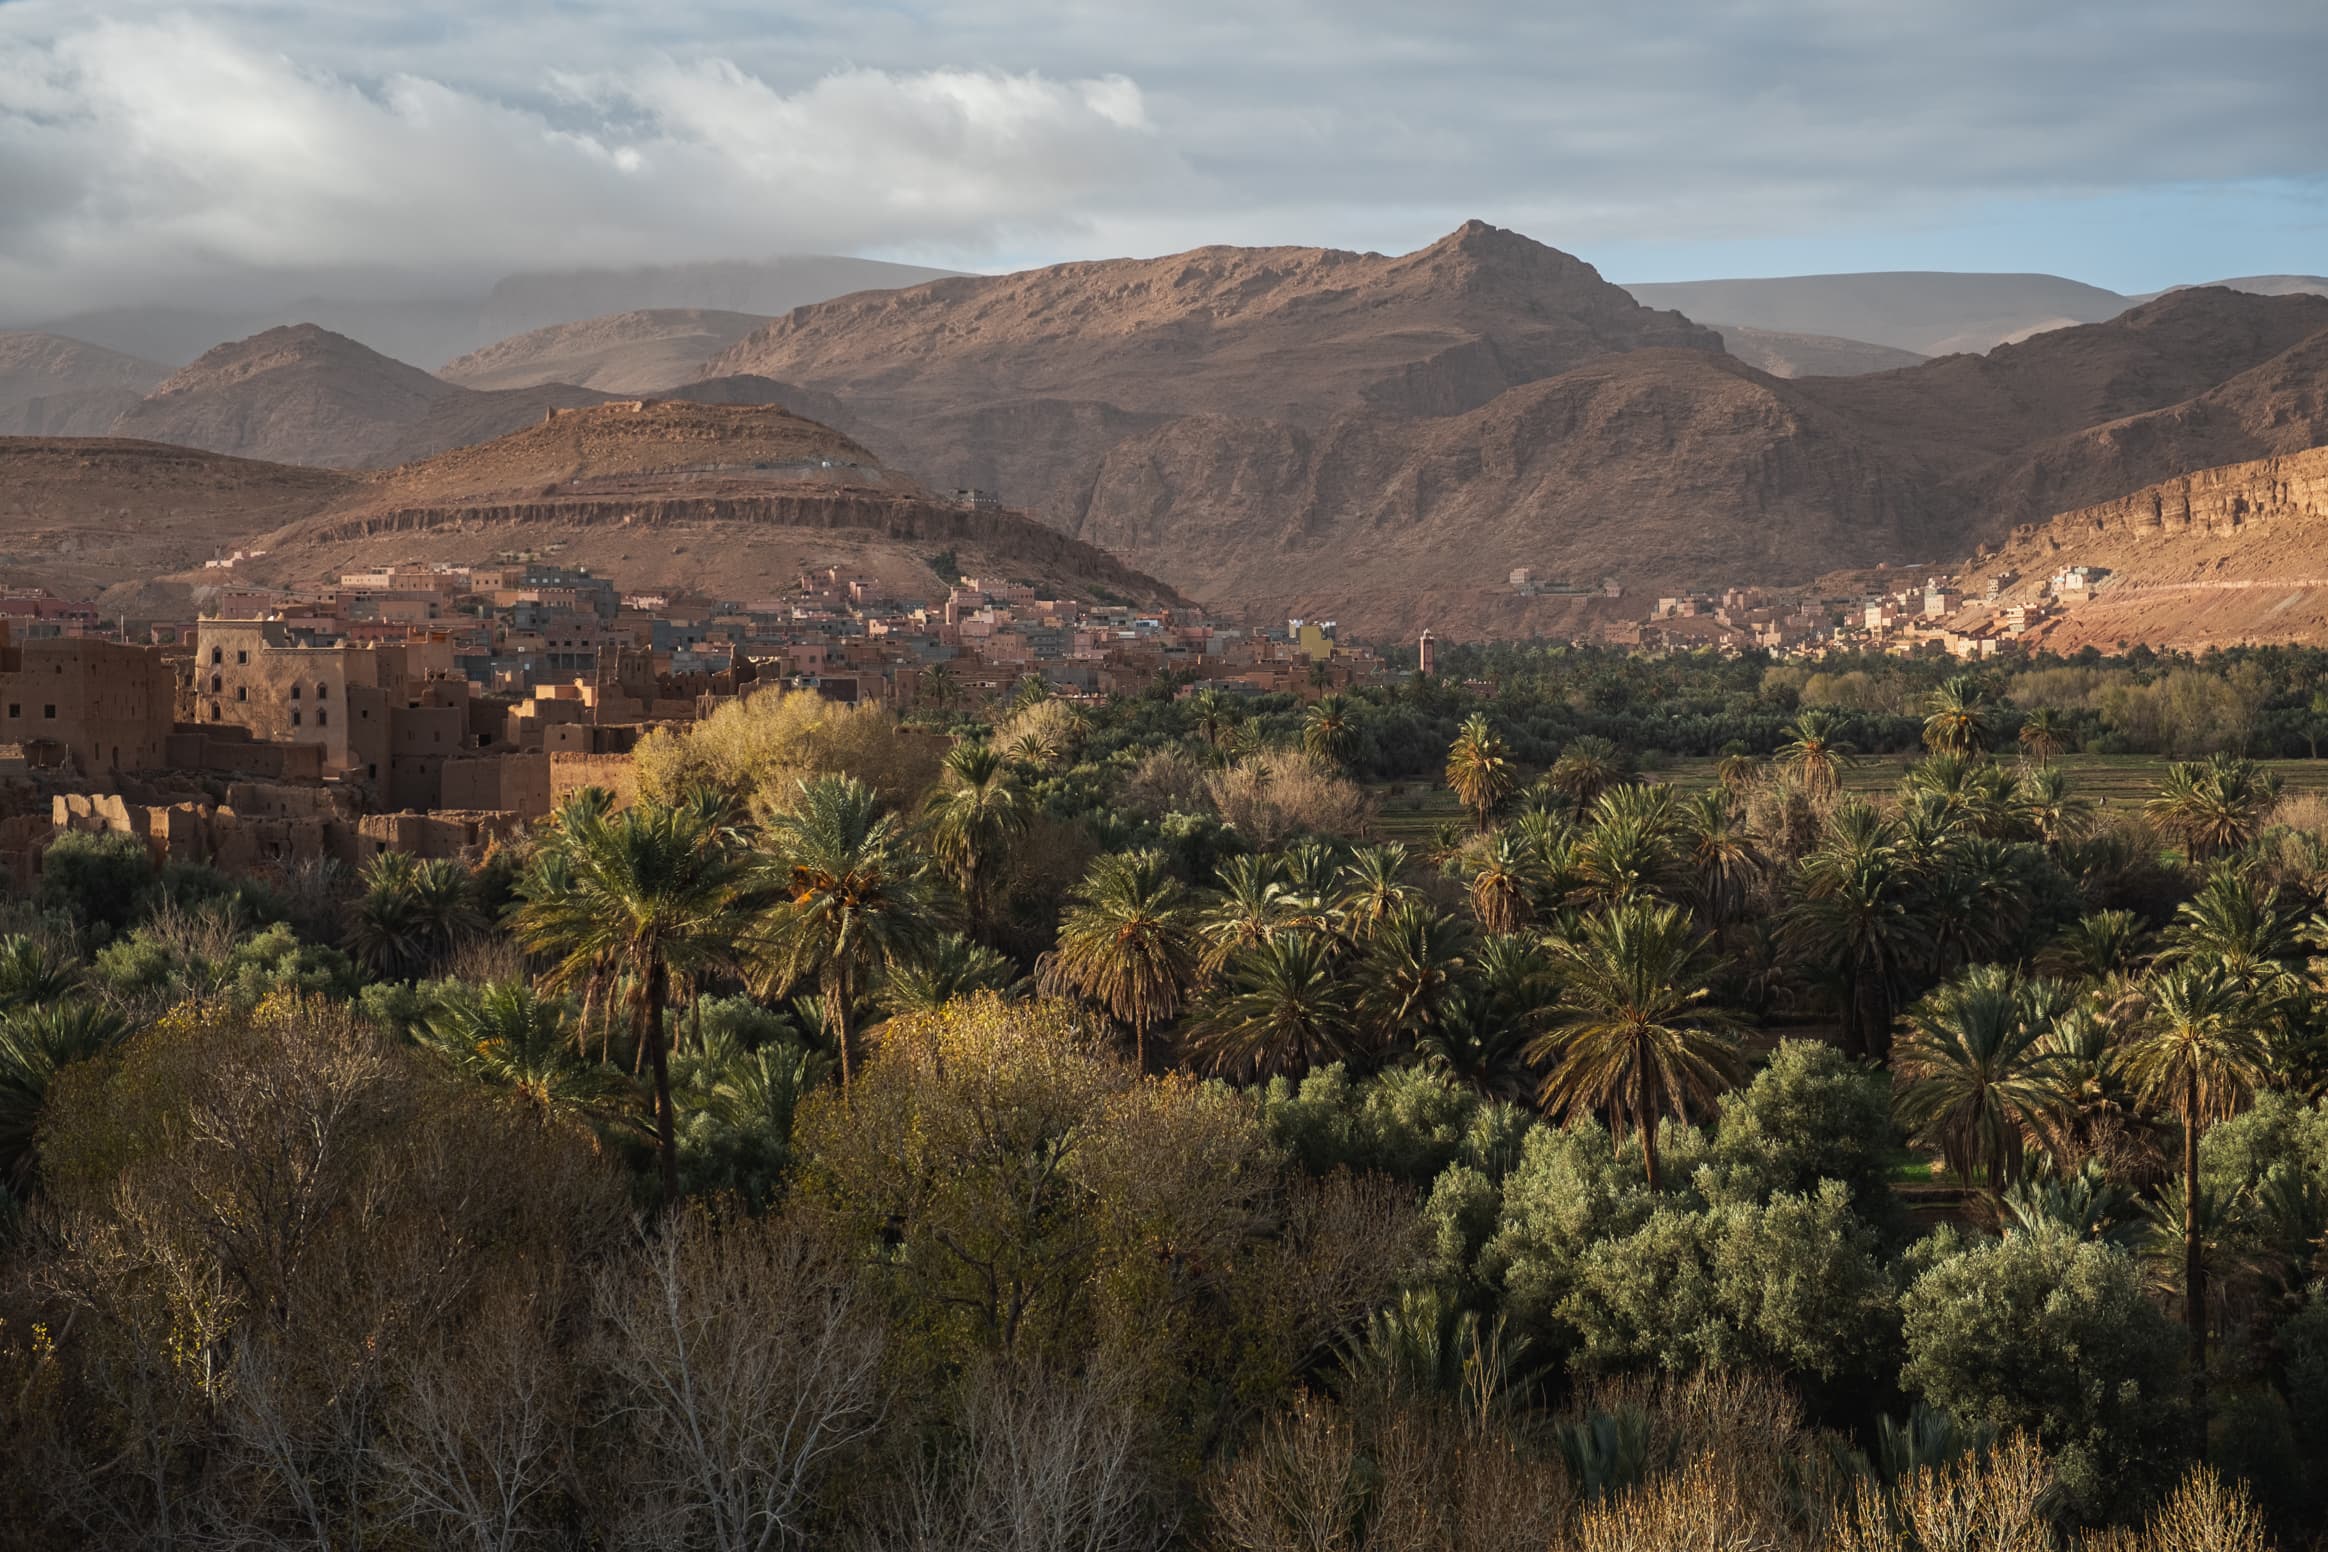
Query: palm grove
<point x="1038" y="1126"/>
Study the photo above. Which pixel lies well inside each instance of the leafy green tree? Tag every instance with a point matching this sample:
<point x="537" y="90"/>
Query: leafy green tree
<point x="2055" y="1336"/>
<point x="98" y="880"/>
<point x="1811" y="1114"/>
<point x="654" y="891"/>
<point x="1640" y="1038"/>
<point x="1480" y="769"/>
<point x="2199" y="1054"/>
<point x="1128" y="942"/>
<point x="1284" y="1009"/>
<point x="1796" y="1284"/>
<point x="1976" y="1073"/>
<point x="975" y="815"/>
<point x="849" y="898"/>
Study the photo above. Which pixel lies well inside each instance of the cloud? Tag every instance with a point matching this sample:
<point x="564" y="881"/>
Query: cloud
<point x="172" y="146"/>
<point x="143" y="141"/>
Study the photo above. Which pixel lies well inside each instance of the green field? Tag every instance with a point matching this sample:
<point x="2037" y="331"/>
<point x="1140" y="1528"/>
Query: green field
<point x="1410" y="811"/>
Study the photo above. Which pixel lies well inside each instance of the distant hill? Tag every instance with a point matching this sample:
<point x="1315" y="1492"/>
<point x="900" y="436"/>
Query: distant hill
<point x="53" y="386"/>
<point x="1932" y="313"/>
<point x="441" y="328"/>
<point x="730" y="500"/>
<point x="2219" y="557"/>
<point x="303" y="394"/>
<point x="1810" y="355"/>
<point x="634" y="352"/>
<point x="1383" y="439"/>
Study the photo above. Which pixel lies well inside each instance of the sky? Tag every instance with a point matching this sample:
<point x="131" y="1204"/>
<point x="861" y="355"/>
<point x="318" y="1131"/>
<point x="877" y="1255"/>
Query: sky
<point x="175" y="151"/>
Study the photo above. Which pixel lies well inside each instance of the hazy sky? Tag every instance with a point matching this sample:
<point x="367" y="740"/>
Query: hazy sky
<point x="151" y="149"/>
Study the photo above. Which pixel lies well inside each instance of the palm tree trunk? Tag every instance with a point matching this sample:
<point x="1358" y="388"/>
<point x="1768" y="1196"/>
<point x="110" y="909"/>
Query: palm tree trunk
<point x="2194" y="1263"/>
<point x="1140" y="1043"/>
<point x="837" y="1014"/>
<point x="1649" y="1151"/>
<point x="651" y="1036"/>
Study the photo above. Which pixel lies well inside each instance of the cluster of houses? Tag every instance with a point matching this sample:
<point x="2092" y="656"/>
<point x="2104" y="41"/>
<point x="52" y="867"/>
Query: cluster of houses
<point x="435" y="707"/>
<point x="1935" y="615"/>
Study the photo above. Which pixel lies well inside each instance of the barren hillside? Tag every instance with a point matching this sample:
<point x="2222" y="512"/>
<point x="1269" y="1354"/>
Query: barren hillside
<point x="53" y="386"/>
<point x="626" y="353"/>
<point x="2223" y="556"/>
<point x="1286" y="333"/>
<point x="1784" y="354"/>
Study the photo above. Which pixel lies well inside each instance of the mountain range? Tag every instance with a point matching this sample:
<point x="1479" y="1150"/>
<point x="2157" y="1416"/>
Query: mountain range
<point x="1381" y="438"/>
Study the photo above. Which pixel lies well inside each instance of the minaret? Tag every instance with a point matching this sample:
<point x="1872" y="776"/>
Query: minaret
<point x="1427" y="653"/>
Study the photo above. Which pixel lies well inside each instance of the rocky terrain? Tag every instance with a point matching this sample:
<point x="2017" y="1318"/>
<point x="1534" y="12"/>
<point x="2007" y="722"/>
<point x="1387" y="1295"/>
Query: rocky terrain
<point x="2214" y="558"/>
<point x="52" y="386"/>
<point x="733" y="500"/>
<point x="303" y="394"/>
<point x="626" y="353"/>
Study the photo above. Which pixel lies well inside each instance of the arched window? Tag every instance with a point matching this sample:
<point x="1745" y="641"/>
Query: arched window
<point x="322" y="691"/>
<point x="295" y="692"/>
<point x="216" y="684"/>
<point x="214" y="711"/>
<point x="218" y="654"/>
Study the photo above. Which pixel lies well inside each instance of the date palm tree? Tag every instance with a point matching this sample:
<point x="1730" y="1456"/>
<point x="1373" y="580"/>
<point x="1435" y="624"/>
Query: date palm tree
<point x="1373" y="885"/>
<point x="506" y="1036"/>
<point x="1958" y="715"/>
<point x="975" y="815"/>
<point x="2215" y="805"/>
<point x="1414" y="974"/>
<point x="1329" y="729"/>
<point x="1254" y="904"/>
<point x="386" y="931"/>
<point x="2198" y="1054"/>
<point x="1856" y="921"/>
<point x="1588" y="767"/>
<point x="1480" y="769"/>
<point x="2044" y="737"/>
<point x="1503" y="875"/>
<point x="651" y="893"/>
<point x="33" y="973"/>
<point x="1128" y="942"/>
<point x="1816" y="754"/>
<point x="2053" y="806"/>
<point x="849" y="898"/>
<point x="1719" y="851"/>
<point x="1284" y="1009"/>
<point x="952" y="966"/>
<point x="1977" y="1073"/>
<point x="36" y="1042"/>
<point x="1640" y="1038"/>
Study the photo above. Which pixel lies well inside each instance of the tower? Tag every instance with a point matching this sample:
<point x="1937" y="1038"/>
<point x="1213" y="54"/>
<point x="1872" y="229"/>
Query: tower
<point x="1427" y="653"/>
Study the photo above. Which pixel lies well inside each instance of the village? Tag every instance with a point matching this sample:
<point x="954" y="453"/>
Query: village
<point x="434" y="708"/>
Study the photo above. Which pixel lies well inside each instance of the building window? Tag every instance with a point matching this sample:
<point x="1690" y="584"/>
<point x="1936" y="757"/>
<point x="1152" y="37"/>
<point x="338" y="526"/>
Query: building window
<point x="218" y="654"/>
<point x="214" y="711"/>
<point x="295" y="719"/>
<point x="295" y="692"/>
<point x="49" y="712"/>
<point x="323" y="692"/>
<point x="322" y="717"/>
<point x="242" y="692"/>
<point x="242" y="657"/>
<point x="216" y="684"/>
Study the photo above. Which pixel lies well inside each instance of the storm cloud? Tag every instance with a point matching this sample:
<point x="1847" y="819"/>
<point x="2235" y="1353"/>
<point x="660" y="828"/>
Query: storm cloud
<point x="148" y="150"/>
